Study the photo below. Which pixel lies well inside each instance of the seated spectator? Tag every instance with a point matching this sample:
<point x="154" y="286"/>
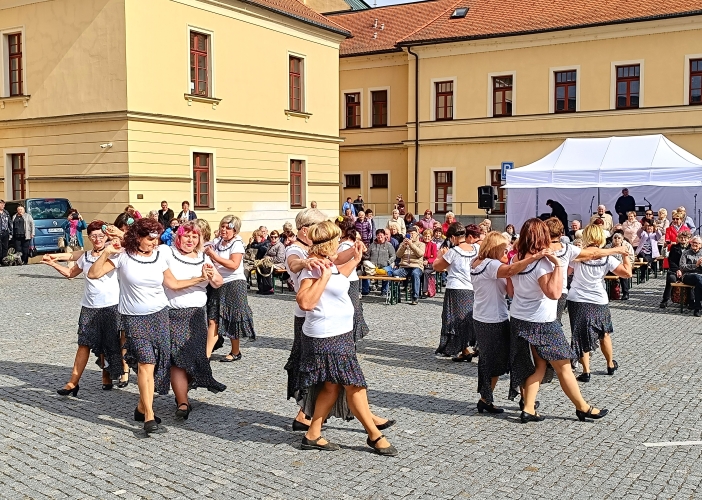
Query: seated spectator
<point x="602" y="214"/>
<point x="692" y="271"/>
<point x="509" y="229"/>
<point x="287" y="228"/>
<point x="153" y="215"/>
<point x="409" y="220"/>
<point x="450" y="219"/>
<point x="369" y="218"/>
<point x="484" y="230"/>
<point x="631" y="228"/>
<point x="427" y="222"/>
<point x="618" y="240"/>
<point x="288" y="238"/>
<point x="672" y="264"/>
<point x="411" y="255"/>
<point x="277" y="250"/>
<point x="451" y="231"/>
<point x="168" y="236"/>
<point x="431" y="251"/>
<point x="647" y="249"/>
<point x="382" y="255"/>
<point x="438" y="237"/>
<point x="364" y="228"/>
<point x="648" y="217"/>
<point x="578" y="242"/>
<point x="662" y="221"/>
<point x="677" y="225"/>
<point x="687" y="220"/>
<point x="574" y="228"/>
<point x="395" y="237"/>
<point x="260" y="245"/>
<point x="600" y="222"/>
<point x="397" y="221"/>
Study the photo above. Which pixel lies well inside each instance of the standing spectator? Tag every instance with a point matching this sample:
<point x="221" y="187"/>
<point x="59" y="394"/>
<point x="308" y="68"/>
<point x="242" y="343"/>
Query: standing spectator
<point x="671" y="234"/>
<point x="168" y="236"/>
<point x="691" y="267"/>
<point x="369" y="218"/>
<point x="313" y="204"/>
<point x="186" y="214"/>
<point x="427" y="222"/>
<point x="674" y="273"/>
<point x="410" y="221"/>
<point x="602" y="214"/>
<point x="4" y="230"/>
<point x="165" y="214"/>
<point x="687" y="220"/>
<point x="411" y="254"/>
<point x="662" y="221"/>
<point x="153" y="215"/>
<point x="631" y="229"/>
<point x="431" y="251"/>
<point x="73" y="233"/>
<point x="132" y="212"/>
<point x="624" y="205"/>
<point x="382" y="254"/>
<point x="364" y="228"/>
<point x="348" y="205"/>
<point x="400" y="204"/>
<point x="558" y="211"/>
<point x="397" y="221"/>
<point x="22" y="232"/>
<point x="450" y="219"/>
<point x="358" y="203"/>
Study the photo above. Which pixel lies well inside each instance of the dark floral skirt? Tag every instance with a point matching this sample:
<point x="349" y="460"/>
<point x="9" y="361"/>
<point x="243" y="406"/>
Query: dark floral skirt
<point x="561" y="306"/>
<point x="149" y="342"/>
<point x="189" y="347"/>
<point x="588" y="324"/>
<point x="494" y="342"/>
<point x="360" y="328"/>
<point x="228" y="306"/>
<point x="99" y="329"/>
<point x="456" y="322"/>
<point x="293" y="364"/>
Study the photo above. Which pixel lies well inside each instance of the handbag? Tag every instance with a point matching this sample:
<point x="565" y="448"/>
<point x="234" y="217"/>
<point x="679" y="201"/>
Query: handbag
<point x="32" y="249"/>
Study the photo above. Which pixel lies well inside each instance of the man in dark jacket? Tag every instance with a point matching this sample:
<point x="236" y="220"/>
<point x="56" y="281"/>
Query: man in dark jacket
<point x="358" y="204"/>
<point x="691" y="269"/>
<point x="674" y="273"/>
<point x="625" y="204"/>
<point x="165" y="215"/>
<point x="5" y="230"/>
<point x="382" y="254"/>
<point x="558" y="211"/>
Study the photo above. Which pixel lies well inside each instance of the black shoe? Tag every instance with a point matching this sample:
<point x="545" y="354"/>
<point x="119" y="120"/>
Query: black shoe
<point x="490" y="408"/>
<point x="625" y="296"/>
<point x="123" y="383"/>
<point x="387" y="424"/>
<point x="528" y="417"/>
<point x="153" y="427"/>
<point x="299" y="426"/>
<point x="583" y="377"/>
<point x="219" y="343"/>
<point x="696" y="313"/>
<point x="664" y="304"/>
<point x="107" y="387"/>
<point x="582" y="415"/>
<point x="390" y="451"/>
<point x="139" y="416"/>
<point x="521" y="404"/>
<point x="312" y="444"/>
<point x="227" y="359"/>
<point x="610" y="371"/>
<point x="66" y="392"/>
<point x="183" y="413"/>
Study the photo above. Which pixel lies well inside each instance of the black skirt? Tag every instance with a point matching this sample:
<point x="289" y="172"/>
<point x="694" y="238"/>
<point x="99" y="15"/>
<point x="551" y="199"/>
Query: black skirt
<point x="561" y="306"/>
<point x="588" y="324"/>
<point x="99" y="329"/>
<point x="148" y="341"/>
<point x="494" y="342"/>
<point x="456" y="322"/>
<point x="189" y="347"/>
<point x="293" y="364"/>
<point x="360" y="328"/>
<point x="228" y="306"/>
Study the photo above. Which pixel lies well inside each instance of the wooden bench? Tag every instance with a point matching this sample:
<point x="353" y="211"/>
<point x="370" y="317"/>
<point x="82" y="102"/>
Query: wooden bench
<point x="684" y="297"/>
<point x="394" y="296"/>
<point x="657" y="265"/>
<point x="641" y="269"/>
<point x="276" y="272"/>
<point x="609" y="280"/>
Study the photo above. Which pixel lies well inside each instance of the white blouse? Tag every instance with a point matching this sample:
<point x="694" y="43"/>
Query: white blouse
<point x="459" y="261"/>
<point x="141" y="282"/>
<point x="225" y="249"/>
<point x="489" y="302"/>
<point x="333" y="314"/>
<point x="185" y="268"/>
<point x="530" y="303"/>
<point x="587" y="285"/>
<point x="102" y="292"/>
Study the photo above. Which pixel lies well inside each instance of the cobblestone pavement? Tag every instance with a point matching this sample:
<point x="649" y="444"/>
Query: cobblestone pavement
<point x="239" y="444"/>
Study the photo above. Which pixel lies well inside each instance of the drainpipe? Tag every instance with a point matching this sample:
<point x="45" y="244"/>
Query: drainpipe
<point x="416" y="128"/>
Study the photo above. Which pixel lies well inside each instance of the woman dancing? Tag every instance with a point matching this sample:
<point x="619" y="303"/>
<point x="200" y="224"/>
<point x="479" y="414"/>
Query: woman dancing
<point x="588" y="304"/>
<point x="328" y="349"/>
<point x="228" y="308"/>
<point x="187" y="317"/>
<point x="99" y="323"/>
<point x="536" y="332"/>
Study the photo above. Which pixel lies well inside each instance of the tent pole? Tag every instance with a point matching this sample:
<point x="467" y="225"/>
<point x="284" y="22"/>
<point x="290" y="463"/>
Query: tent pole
<point x="598" y="197"/>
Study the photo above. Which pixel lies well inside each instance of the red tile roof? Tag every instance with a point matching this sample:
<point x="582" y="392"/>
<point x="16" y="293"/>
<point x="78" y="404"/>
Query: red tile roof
<point x="297" y="10"/>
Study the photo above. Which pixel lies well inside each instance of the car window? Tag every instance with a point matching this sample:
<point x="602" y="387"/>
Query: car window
<point x="48" y="208"/>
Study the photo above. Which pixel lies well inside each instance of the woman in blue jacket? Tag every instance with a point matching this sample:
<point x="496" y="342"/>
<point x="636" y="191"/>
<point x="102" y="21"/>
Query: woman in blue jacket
<point x="73" y="230"/>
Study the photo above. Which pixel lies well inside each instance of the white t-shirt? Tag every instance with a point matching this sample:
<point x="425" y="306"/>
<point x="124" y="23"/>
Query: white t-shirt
<point x="103" y="292"/>
<point x="567" y="255"/>
<point x="489" y="303"/>
<point x="530" y="303"/>
<point x="225" y="250"/>
<point x="345" y="245"/>
<point x="141" y="282"/>
<point x="333" y="314"/>
<point x="185" y="268"/>
<point x="587" y="285"/>
<point x="295" y="278"/>
<point x="459" y="267"/>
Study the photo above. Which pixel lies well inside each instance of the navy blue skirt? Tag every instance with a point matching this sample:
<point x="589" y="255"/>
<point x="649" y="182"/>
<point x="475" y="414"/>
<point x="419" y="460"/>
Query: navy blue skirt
<point x="99" y="329"/>
<point x="148" y="341"/>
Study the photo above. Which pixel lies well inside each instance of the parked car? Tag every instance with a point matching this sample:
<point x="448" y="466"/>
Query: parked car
<point x="49" y="216"/>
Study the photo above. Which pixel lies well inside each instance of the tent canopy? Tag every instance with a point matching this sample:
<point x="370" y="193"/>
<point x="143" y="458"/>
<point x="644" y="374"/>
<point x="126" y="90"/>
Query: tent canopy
<point x="647" y="160"/>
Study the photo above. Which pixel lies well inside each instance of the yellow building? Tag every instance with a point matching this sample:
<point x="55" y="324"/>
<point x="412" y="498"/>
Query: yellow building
<point x="505" y="81"/>
<point x="224" y="104"/>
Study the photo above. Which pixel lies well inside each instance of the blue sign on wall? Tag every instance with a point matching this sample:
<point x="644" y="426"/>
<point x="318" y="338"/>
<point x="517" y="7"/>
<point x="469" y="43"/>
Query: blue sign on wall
<point x="506" y="165"/>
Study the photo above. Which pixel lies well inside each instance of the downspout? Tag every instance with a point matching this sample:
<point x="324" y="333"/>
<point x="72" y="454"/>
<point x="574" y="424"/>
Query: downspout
<point x="416" y="129"/>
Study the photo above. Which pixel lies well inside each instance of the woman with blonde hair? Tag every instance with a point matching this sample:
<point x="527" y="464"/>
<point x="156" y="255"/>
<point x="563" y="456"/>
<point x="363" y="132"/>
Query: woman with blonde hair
<point x="228" y="310"/>
<point x="677" y="225"/>
<point x="329" y="363"/>
<point x="662" y="221"/>
<point x="588" y="303"/>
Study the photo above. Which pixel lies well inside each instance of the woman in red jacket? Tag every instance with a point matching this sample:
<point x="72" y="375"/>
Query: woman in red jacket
<point x="678" y="224"/>
<point x="431" y="251"/>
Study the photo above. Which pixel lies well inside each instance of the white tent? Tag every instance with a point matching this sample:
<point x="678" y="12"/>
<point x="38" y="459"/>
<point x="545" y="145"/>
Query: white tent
<point x="582" y="173"/>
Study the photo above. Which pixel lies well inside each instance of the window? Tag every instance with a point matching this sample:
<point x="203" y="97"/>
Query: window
<point x="566" y="82"/>
<point x="14" y="45"/>
<point x="502" y="96"/>
<point x="443" y="191"/>
<point x="379" y="100"/>
<point x="18" y="176"/>
<point x="353" y="180"/>
<point x="199" y="64"/>
<point x="496" y="181"/>
<point x="459" y="13"/>
<point x="444" y="100"/>
<point x="296" y="169"/>
<point x="296" y="81"/>
<point x="202" y="169"/>
<point x="628" y="84"/>
<point x="353" y="110"/>
<point x="696" y="81"/>
<point x="379" y="181"/>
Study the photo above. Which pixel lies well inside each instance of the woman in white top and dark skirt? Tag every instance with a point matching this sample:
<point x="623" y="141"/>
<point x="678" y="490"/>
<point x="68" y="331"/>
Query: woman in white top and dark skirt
<point x="345" y="252"/>
<point x="328" y="349"/>
<point x="457" y="333"/>
<point x="143" y="271"/>
<point x="228" y="308"/>
<point x="490" y="313"/>
<point x="99" y="322"/>
<point x="588" y="303"/>
<point x="187" y="317"/>
<point x="537" y="335"/>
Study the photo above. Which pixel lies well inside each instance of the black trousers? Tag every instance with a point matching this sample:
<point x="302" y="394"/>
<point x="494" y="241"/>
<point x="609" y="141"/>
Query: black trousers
<point x="670" y="278"/>
<point x="696" y="281"/>
<point x="4" y="244"/>
<point x="22" y="245"/>
<point x="624" y="283"/>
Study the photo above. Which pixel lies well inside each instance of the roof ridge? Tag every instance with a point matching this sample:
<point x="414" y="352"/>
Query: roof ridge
<point x="373" y="9"/>
<point x="452" y="5"/>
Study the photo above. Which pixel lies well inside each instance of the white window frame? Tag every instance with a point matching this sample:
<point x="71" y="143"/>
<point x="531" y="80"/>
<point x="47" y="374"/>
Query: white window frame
<point x="491" y="95"/>
<point x="343" y="181"/>
<point x="8" y="170"/>
<point x="210" y="60"/>
<point x="686" y="86"/>
<point x="213" y="177"/>
<point x="432" y="186"/>
<point x="5" y="57"/>
<point x="305" y="70"/>
<point x="343" y="105"/>
<point x="552" y="86"/>
<point x="370" y="106"/>
<point x="305" y="166"/>
<point x="613" y="81"/>
<point x="432" y="103"/>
